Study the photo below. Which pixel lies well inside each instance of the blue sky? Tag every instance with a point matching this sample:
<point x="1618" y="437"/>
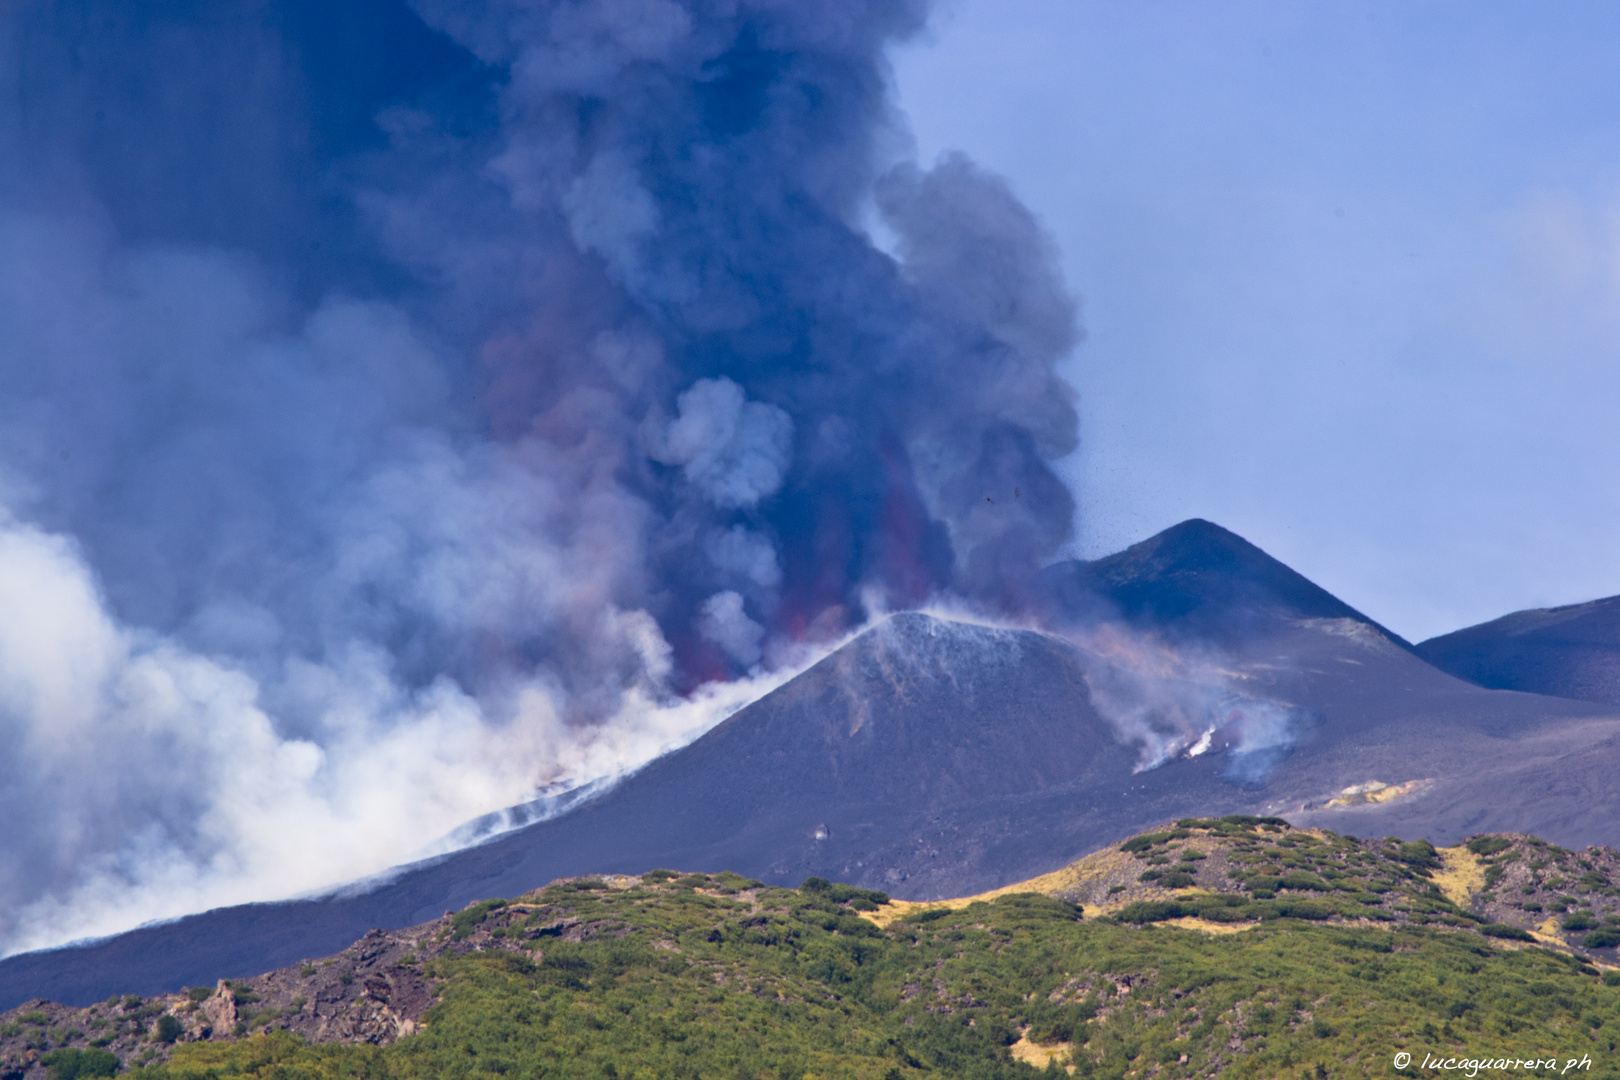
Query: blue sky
<point x="1350" y="272"/>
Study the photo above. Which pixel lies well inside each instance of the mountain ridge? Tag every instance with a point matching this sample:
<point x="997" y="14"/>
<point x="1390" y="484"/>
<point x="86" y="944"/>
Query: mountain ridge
<point x="1570" y="651"/>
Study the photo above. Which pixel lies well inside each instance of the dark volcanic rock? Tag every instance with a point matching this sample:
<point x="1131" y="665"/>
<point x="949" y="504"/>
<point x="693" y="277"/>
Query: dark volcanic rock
<point x="1571" y="651"/>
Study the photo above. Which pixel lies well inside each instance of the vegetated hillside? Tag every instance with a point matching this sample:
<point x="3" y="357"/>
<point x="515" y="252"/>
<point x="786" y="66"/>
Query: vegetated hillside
<point x="1332" y="955"/>
<point x="1238" y="870"/>
<point x="1571" y="651"/>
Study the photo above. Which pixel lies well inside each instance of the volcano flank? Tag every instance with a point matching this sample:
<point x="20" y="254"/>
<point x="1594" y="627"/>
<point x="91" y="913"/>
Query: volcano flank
<point x="931" y="757"/>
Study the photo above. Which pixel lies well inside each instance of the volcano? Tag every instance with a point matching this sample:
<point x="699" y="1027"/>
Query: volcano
<point x="1571" y="651"/>
<point x="1189" y="675"/>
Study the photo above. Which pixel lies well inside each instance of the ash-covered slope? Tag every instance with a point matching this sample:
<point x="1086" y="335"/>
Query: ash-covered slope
<point x="1571" y="651"/>
<point x="931" y="758"/>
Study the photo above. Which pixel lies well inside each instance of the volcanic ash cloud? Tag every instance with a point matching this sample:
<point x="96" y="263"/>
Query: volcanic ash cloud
<point x="407" y="408"/>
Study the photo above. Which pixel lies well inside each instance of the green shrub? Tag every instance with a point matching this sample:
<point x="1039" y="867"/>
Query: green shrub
<point x="203" y="993"/>
<point x="1312" y="910"/>
<point x="73" y="1064"/>
<point x="1221" y="913"/>
<point x="1138" y="844"/>
<point x="1579" y="920"/>
<point x="167" y="1029"/>
<point x="1177" y="879"/>
<point x="1489" y="845"/>
<point x="1607" y="938"/>
<point x="34" y="1016"/>
<point x="1303" y="879"/>
<point x="1418" y="853"/>
<point x="1148" y="911"/>
<point x="1503" y="930"/>
<point x="927" y="915"/>
<point x="463" y="921"/>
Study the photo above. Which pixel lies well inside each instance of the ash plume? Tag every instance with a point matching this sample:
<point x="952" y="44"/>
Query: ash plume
<point x="409" y="408"/>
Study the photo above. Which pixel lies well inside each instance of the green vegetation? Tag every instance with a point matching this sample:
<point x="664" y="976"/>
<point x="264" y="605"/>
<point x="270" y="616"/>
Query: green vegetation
<point x="69" y="1064"/>
<point x="687" y="976"/>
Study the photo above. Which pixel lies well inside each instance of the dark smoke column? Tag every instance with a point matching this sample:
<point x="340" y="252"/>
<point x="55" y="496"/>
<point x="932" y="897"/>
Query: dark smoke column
<point x="817" y="425"/>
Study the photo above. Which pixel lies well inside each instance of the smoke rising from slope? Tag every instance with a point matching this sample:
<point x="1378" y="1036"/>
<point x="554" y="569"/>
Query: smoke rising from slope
<point x="1184" y="702"/>
<point x="403" y="408"/>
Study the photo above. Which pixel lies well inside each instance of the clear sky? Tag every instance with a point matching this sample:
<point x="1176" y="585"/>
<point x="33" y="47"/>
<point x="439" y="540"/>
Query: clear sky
<point x="1350" y="272"/>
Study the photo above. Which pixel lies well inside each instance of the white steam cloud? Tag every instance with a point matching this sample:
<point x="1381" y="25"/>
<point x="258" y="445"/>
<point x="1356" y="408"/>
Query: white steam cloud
<point x="1184" y="701"/>
<point x="232" y="810"/>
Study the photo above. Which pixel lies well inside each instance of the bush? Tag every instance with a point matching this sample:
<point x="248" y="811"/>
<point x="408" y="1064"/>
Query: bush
<point x="1176" y="879"/>
<point x="927" y="915"/>
<point x="859" y="899"/>
<point x="1039" y="904"/>
<point x="1488" y="845"/>
<point x="72" y="1064"/>
<point x="167" y="1029"/>
<point x="1151" y="911"/>
<point x="1222" y="914"/>
<point x="1418" y="853"/>
<point x="1304" y="879"/>
<point x="1580" y="920"/>
<point x="1606" y="938"/>
<point x="1138" y="844"/>
<point x="1503" y="930"/>
<point x="464" y="920"/>
<point x="1290" y="909"/>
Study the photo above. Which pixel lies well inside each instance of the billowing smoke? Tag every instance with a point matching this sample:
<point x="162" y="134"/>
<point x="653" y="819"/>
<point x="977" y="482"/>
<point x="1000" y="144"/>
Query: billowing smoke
<point x="1184" y="701"/>
<point x="409" y="408"/>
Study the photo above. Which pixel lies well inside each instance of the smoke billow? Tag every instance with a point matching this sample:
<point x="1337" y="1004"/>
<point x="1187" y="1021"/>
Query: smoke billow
<point x="407" y="408"/>
<point x="1185" y="702"/>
